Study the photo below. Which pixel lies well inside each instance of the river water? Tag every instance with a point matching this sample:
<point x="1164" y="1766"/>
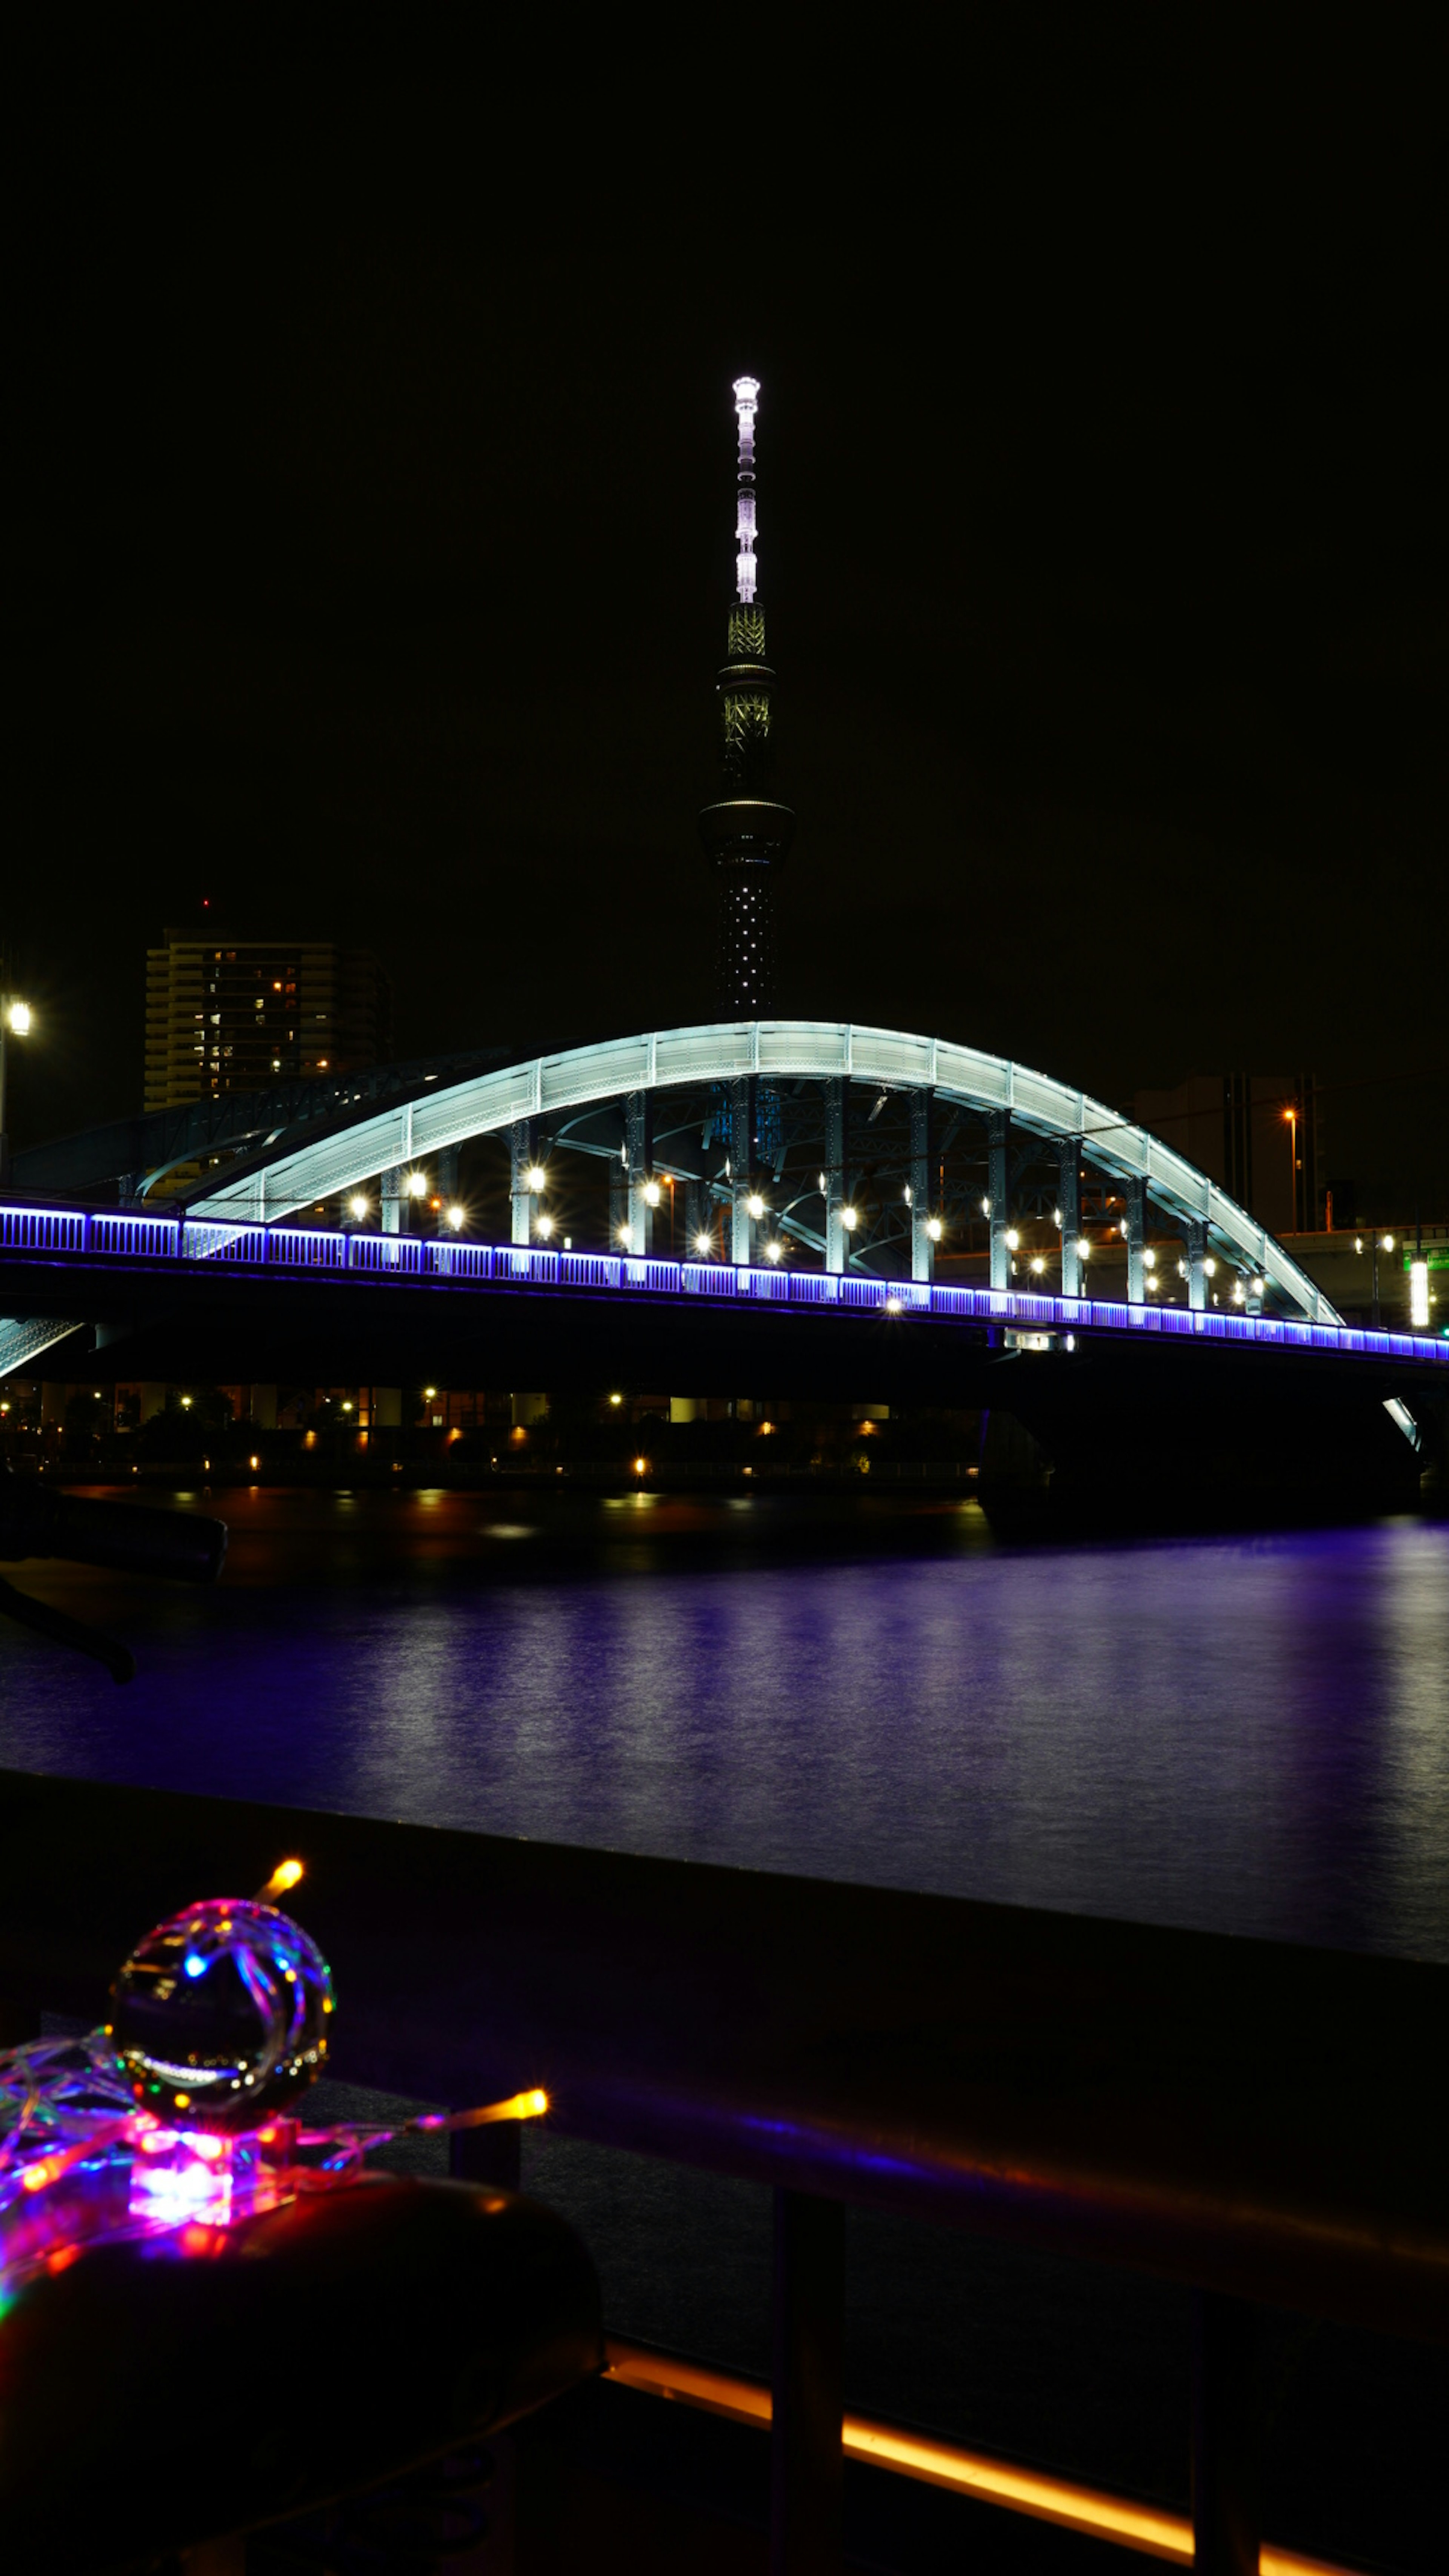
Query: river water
<point x="1239" y="1734"/>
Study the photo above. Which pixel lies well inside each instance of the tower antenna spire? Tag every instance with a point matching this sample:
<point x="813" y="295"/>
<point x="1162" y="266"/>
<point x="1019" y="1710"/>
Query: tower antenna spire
<point x="746" y="834"/>
<point x="747" y="400"/>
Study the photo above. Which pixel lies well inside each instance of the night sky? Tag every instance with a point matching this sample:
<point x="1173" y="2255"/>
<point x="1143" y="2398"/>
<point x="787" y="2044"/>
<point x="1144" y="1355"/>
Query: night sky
<point x="374" y="532"/>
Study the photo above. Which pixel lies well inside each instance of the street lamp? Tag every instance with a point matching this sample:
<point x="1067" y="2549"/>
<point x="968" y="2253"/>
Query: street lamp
<point x="16" y="1019"/>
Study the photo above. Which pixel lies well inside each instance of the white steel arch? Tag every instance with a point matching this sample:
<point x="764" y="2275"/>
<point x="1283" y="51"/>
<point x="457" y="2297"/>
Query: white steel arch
<point x="783" y="1050"/>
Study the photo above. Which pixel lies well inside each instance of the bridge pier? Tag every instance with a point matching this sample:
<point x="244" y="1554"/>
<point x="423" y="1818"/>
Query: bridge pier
<point x="1136" y="1221"/>
<point x="1197" y="1244"/>
<point x="998" y="1137"/>
<point x="390" y="1190"/>
<point x="835" y="1175"/>
<point x="923" y="1249"/>
<point x="1069" y="1201"/>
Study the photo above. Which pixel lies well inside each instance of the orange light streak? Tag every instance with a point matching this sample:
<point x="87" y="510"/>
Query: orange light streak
<point x="1141" y="2527"/>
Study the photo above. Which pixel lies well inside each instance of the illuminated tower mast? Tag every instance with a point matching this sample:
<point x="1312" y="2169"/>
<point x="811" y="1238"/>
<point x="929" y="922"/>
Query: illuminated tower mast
<point x="746" y="835"/>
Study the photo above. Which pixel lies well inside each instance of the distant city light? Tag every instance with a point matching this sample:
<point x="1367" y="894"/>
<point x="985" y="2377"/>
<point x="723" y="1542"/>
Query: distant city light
<point x="186" y="1404"/>
<point x="1388" y="1243"/>
<point x="616" y="1399"/>
<point x="455" y="1217"/>
<point x="639" y="1466"/>
<point x="430" y="1392"/>
<point x="1358" y="1243"/>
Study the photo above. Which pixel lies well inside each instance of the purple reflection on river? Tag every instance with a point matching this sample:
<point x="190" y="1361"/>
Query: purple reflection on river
<point x="1248" y="1734"/>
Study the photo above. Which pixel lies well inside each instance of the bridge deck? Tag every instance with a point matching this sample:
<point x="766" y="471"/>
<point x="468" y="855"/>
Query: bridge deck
<point x="41" y="1246"/>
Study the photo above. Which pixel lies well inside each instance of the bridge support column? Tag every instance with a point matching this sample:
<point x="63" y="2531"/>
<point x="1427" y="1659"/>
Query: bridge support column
<point x="521" y="1152"/>
<point x="998" y="1129"/>
<point x="1069" y="1201"/>
<point x="1136" y="1222"/>
<point x="639" y="1145"/>
<point x="1197" y="1242"/>
<point x="835" y="1176"/>
<point x="390" y="1199"/>
<point x="923" y="1248"/>
<point x="742" y="1126"/>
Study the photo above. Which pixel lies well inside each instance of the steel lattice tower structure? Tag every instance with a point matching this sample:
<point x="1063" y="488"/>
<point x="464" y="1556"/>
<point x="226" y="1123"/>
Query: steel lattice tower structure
<point x="746" y="835"/>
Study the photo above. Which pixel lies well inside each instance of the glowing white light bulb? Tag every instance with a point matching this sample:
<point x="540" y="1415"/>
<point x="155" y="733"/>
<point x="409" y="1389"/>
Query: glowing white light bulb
<point x="1038" y="1264"/>
<point x="849" y="1219"/>
<point x="1013" y="1239"/>
<point x="934" y="1228"/>
<point x="773" y="1251"/>
<point x="19" y="1016"/>
<point x="704" y="1243"/>
<point x="545" y="1227"/>
<point x="651" y="1193"/>
<point x="755" y="1203"/>
<point x="535" y="1176"/>
<point x="1210" y="1269"/>
<point x="455" y="1218"/>
<point x="358" y="1206"/>
<point x="1084" y="1249"/>
<point x="1149" y="1259"/>
<point x="417" y="1185"/>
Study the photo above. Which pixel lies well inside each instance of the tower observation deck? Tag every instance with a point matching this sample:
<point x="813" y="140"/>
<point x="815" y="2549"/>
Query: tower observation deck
<point x="746" y="834"/>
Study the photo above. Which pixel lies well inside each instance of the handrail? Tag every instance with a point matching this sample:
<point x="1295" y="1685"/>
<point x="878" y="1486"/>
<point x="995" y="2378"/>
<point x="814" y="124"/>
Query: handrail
<point x="1148" y="2529"/>
<point x="102" y="1237"/>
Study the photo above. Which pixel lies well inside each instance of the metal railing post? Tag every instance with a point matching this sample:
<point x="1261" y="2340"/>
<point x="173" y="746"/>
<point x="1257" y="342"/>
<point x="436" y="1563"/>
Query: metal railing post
<point x="1226" y="2510"/>
<point x="808" y="2376"/>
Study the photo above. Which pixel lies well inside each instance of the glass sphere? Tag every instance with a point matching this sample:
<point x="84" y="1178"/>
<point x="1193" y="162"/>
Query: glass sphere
<point x="220" y="2016"/>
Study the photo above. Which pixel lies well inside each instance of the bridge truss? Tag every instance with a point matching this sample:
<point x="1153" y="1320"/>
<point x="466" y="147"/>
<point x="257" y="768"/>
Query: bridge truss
<point x="862" y="1150"/>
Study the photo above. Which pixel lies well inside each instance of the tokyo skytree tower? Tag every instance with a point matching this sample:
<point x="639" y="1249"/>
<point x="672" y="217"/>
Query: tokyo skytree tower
<point x="746" y="835"/>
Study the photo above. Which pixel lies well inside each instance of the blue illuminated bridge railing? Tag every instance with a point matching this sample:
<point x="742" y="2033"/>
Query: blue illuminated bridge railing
<point x="113" y="1234"/>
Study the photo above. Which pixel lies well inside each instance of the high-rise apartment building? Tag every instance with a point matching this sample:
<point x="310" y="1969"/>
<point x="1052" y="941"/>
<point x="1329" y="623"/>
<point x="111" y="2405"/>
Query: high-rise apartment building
<point x="240" y="1014"/>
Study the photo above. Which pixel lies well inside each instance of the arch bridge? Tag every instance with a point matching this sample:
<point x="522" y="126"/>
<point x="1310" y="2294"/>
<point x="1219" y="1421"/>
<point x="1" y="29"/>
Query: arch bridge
<point x="854" y="1149"/>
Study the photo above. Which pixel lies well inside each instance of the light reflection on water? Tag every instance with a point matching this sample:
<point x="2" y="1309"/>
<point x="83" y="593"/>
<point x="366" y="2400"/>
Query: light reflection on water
<point x="1248" y="1734"/>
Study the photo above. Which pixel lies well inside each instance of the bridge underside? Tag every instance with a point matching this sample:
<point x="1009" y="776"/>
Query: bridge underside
<point x="1130" y="1429"/>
